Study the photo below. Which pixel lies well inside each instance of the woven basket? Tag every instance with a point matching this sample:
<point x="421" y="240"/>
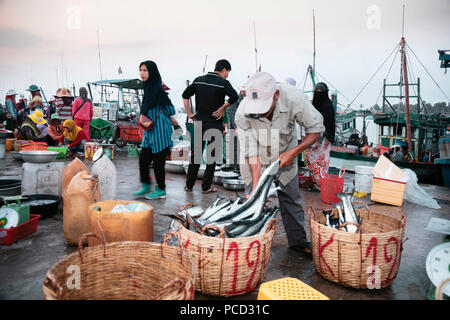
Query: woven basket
<point x="368" y="259"/>
<point x="228" y="267"/>
<point x="123" y="270"/>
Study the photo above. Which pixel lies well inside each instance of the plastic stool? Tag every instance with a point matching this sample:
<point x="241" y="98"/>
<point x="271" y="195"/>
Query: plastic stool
<point x="288" y="289"/>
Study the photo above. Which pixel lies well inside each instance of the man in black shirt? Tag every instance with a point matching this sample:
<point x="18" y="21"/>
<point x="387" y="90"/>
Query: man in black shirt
<point x="210" y="91"/>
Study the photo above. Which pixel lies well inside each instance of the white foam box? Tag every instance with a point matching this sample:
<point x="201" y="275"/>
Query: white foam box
<point x="42" y="178"/>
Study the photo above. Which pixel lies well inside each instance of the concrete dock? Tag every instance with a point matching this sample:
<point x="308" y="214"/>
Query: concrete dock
<point x="24" y="264"/>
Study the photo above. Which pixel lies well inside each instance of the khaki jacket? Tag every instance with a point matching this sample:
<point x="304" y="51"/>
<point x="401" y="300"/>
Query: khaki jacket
<point x="269" y="139"/>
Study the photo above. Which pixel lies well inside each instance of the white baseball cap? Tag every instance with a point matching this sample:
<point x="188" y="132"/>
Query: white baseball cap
<point x="259" y="91"/>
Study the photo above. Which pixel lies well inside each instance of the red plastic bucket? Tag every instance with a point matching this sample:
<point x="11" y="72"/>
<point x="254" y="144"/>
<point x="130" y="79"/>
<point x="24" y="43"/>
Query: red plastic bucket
<point x="330" y="185"/>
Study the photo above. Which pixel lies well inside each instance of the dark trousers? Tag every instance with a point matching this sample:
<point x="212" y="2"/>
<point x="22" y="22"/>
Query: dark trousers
<point x="194" y="167"/>
<point x="291" y="210"/>
<point x="159" y="162"/>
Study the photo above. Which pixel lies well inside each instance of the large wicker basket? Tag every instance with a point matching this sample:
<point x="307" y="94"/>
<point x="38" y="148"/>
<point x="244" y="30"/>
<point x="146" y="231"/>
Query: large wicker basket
<point x="368" y="259"/>
<point x="123" y="270"/>
<point x="228" y="266"/>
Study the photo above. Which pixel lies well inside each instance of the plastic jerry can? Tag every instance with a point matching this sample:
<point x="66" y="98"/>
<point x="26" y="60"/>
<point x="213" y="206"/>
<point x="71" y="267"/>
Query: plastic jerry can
<point x="42" y="178"/>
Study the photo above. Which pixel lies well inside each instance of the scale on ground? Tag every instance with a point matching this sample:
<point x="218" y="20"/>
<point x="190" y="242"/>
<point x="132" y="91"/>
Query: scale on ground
<point x="438" y="259"/>
<point x="13" y="212"/>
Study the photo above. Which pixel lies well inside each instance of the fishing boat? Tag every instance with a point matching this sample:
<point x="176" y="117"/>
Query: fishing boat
<point x="400" y="124"/>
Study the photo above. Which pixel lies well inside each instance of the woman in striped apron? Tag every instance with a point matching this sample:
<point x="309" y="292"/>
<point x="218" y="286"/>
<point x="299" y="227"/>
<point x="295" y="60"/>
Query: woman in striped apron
<point x="157" y="141"/>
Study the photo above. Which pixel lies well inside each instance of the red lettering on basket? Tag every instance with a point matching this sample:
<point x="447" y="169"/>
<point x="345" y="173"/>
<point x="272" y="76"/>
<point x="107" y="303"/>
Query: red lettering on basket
<point x="321" y="249"/>
<point x="234" y="246"/>
<point x="372" y="245"/>
<point x="187" y="243"/>
<point x="251" y="263"/>
<point x="389" y="258"/>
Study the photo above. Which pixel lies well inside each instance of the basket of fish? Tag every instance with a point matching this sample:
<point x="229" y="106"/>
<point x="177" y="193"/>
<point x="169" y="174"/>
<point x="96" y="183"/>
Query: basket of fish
<point x="355" y="247"/>
<point x="230" y="241"/>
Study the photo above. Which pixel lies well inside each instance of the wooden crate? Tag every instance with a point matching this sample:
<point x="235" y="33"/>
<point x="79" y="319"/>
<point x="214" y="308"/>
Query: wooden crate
<point x="388" y="191"/>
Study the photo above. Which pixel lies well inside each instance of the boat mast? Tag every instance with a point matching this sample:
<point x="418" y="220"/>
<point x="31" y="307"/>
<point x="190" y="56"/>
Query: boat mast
<point x="405" y="77"/>
<point x="256" y="50"/>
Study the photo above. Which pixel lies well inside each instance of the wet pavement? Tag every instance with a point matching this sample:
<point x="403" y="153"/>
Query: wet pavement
<point x="24" y="264"/>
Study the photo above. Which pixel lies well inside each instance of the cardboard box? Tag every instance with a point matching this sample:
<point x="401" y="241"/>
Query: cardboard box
<point x="388" y="191"/>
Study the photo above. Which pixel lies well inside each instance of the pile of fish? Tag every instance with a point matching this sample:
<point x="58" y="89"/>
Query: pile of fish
<point x="238" y="218"/>
<point x="346" y="213"/>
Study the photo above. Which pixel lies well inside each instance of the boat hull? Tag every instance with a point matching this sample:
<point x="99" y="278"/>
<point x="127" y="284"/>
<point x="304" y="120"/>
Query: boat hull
<point x="426" y="172"/>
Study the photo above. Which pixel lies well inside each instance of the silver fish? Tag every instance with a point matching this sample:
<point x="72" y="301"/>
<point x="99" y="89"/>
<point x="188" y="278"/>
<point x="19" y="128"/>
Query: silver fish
<point x="266" y="224"/>
<point x="349" y="211"/>
<point x="213" y="210"/>
<point x="254" y="205"/>
<point x="339" y="207"/>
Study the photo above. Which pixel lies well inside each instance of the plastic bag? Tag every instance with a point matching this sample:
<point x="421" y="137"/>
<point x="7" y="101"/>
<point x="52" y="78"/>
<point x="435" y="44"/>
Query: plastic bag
<point x="415" y="194"/>
<point x="70" y="171"/>
<point x="81" y="192"/>
<point x="107" y="175"/>
<point x="318" y="160"/>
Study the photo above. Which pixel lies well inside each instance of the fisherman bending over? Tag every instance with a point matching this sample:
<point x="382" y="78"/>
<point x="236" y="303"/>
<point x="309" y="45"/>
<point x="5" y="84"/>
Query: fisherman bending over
<point x="274" y="108"/>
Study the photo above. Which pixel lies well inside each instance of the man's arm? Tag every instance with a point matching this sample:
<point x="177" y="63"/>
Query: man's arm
<point x="255" y="169"/>
<point x="187" y="94"/>
<point x="233" y="96"/>
<point x="287" y="157"/>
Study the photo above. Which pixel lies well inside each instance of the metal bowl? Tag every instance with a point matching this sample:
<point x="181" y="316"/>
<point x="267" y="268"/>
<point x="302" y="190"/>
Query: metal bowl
<point x="45" y="205"/>
<point x="217" y="180"/>
<point x="233" y="184"/>
<point x="39" y="156"/>
<point x="16" y="155"/>
<point x="10" y="187"/>
<point x="175" y="166"/>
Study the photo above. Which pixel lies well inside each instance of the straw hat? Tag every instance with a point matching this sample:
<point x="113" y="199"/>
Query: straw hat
<point x="11" y="93"/>
<point x="63" y="92"/>
<point x="37" y="117"/>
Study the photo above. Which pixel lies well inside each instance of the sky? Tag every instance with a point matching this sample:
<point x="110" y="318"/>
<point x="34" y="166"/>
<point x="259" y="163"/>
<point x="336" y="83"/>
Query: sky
<point x="53" y="43"/>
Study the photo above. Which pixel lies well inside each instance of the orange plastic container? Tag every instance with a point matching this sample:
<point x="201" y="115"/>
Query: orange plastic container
<point x="383" y="149"/>
<point x="9" y="144"/>
<point x="30" y="146"/>
<point x="131" y="133"/>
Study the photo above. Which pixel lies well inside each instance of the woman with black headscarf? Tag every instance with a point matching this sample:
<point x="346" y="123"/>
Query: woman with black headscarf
<point x="157" y="141"/>
<point x="319" y="154"/>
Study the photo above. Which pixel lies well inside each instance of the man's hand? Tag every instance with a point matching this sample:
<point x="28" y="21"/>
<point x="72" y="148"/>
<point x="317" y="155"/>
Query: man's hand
<point x="191" y="115"/>
<point x="219" y="113"/>
<point x="286" y="158"/>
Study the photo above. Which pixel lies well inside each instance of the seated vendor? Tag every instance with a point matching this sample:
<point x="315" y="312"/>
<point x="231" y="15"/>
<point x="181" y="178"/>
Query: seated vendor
<point x="55" y="136"/>
<point x="29" y="129"/>
<point x="74" y="136"/>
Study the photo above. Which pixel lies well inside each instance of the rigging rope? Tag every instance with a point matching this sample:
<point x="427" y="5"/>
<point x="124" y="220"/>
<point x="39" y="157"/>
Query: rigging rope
<point x="428" y="72"/>
<point x="389" y="72"/>
<point x="372" y="76"/>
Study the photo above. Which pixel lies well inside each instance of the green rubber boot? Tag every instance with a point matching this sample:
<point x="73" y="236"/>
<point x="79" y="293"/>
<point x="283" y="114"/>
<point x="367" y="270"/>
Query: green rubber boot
<point x="157" y="194"/>
<point x="145" y="188"/>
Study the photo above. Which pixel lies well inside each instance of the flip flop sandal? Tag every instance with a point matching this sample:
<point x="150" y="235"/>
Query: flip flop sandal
<point x="211" y="190"/>
<point x="187" y="189"/>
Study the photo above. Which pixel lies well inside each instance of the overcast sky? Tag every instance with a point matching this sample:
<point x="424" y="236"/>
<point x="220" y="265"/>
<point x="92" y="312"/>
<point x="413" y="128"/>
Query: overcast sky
<point x="353" y="38"/>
